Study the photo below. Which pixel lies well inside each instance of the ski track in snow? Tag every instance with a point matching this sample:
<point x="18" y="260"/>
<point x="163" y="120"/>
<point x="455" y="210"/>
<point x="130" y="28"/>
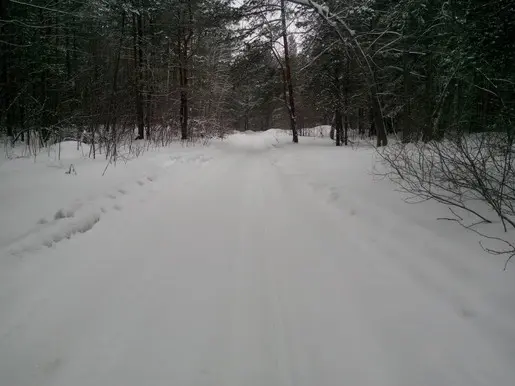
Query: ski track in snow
<point x="247" y="266"/>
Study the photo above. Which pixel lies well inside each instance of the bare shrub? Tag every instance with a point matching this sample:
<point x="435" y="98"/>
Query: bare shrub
<point x="472" y="174"/>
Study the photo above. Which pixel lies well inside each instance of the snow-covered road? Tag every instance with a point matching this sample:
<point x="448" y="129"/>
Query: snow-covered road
<point x="240" y="268"/>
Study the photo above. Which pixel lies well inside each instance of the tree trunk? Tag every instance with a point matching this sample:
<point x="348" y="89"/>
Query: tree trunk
<point x="183" y="75"/>
<point x="441" y="119"/>
<point x="149" y="80"/>
<point x="346" y="103"/>
<point x="346" y="130"/>
<point x="361" y="126"/>
<point x="68" y="58"/>
<point x="138" y="65"/>
<point x="114" y="89"/>
<point x="45" y="119"/>
<point x="291" y="99"/>
<point x="5" y="86"/>
<point x="184" y="37"/>
<point x="406" y="124"/>
<point x="427" y="134"/>
<point x="382" y="140"/>
<point x="338" y="126"/>
<point x="371" y="119"/>
<point x="184" y="112"/>
<point x="377" y="127"/>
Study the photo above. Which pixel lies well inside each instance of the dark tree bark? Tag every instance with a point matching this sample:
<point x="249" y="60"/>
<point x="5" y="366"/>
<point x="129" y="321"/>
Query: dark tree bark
<point x="291" y="98"/>
<point x="111" y="121"/>
<point x="183" y="77"/>
<point x="149" y="80"/>
<point x="138" y="63"/>
<point x="338" y="126"/>
<point x="346" y="130"/>
<point x="346" y="104"/>
<point x="5" y="87"/>
<point x="371" y="118"/>
<point x="427" y="133"/>
<point x="361" y="126"/>
<point x="406" y="119"/>
<point x="183" y="41"/>
<point x="378" y="120"/>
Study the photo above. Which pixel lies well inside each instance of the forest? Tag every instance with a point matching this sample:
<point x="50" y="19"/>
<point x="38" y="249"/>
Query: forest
<point x="413" y="69"/>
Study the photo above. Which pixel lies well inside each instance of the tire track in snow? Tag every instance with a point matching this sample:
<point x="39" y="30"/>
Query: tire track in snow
<point x="258" y="343"/>
<point x="384" y="257"/>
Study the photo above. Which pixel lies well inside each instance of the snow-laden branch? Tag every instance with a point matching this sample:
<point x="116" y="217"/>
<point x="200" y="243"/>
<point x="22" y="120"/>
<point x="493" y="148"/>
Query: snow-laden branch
<point x="323" y="10"/>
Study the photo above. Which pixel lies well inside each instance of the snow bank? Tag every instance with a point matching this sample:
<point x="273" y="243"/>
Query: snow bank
<point x="317" y="131"/>
<point x="257" y="141"/>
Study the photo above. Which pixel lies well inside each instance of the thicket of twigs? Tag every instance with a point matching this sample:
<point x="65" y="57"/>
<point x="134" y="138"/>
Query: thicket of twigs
<point x="113" y="144"/>
<point x="474" y="175"/>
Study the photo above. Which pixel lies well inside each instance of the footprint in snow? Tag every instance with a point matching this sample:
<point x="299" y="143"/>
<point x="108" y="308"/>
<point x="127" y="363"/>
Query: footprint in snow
<point x="48" y="243"/>
<point x="84" y="225"/>
<point x="63" y="213"/>
<point x="50" y="366"/>
<point x="467" y="313"/>
<point x="333" y="196"/>
<point x="122" y="191"/>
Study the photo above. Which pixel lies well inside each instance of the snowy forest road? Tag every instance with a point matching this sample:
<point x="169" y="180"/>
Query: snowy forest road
<point x="237" y="274"/>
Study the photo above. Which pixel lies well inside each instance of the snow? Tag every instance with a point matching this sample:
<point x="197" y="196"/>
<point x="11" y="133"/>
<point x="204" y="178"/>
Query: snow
<point x="253" y="261"/>
<point x="39" y="198"/>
